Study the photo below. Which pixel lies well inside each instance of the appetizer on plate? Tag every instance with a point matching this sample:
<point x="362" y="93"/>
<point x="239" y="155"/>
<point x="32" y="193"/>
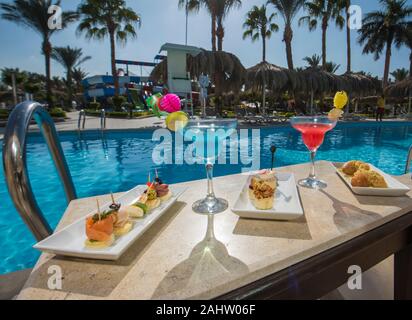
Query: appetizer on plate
<point x="362" y="175"/>
<point x="122" y="224"/>
<point x="100" y="230"/>
<point x="262" y="190"/>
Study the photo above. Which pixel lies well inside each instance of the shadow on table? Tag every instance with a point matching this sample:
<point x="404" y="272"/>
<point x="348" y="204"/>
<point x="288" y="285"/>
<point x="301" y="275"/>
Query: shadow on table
<point x="297" y="229"/>
<point x="208" y="262"/>
<point x="98" y="278"/>
<point x="348" y="217"/>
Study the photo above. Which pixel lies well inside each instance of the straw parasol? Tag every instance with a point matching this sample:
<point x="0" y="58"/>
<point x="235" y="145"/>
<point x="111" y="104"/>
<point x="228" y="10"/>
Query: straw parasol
<point x="209" y="62"/>
<point x="265" y="75"/>
<point x="316" y="80"/>
<point x="401" y="89"/>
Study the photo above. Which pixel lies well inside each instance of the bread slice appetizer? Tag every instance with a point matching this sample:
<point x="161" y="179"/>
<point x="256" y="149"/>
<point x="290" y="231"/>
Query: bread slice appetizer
<point x="162" y="189"/>
<point x="262" y="190"/>
<point x="122" y="224"/>
<point x="100" y="230"/>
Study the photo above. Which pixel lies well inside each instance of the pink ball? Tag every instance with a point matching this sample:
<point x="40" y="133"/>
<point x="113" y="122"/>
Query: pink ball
<point x="170" y="103"/>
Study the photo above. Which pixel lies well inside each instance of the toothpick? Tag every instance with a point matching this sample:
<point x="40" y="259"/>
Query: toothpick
<point x="148" y="179"/>
<point x="98" y="208"/>
<point x="111" y="194"/>
<point x="157" y="176"/>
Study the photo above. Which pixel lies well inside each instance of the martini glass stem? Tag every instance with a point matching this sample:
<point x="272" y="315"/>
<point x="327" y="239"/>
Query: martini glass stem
<point x="312" y="174"/>
<point x="209" y="172"/>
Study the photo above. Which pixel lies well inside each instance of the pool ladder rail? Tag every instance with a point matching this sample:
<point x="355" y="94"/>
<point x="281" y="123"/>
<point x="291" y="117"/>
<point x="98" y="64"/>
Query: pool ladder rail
<point x="103" y="119"/>
<point x="82" y="116"/>
<point x="82" y="120"/>
<point x="15" y="166"/>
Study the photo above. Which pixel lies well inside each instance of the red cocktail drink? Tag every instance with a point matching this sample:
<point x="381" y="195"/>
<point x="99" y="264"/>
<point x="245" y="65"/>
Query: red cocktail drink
<point x="313" y="131"/>
<point x="313" y="134"/>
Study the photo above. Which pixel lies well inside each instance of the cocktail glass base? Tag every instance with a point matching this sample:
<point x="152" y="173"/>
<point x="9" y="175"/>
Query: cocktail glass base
<point x="210" y="205"/>
<point x="311" y="183"/>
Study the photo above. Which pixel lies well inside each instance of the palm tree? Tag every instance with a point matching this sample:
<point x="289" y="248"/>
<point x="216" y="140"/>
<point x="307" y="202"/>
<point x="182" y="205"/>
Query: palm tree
<point x="108" y="18"/>
<point x="381" y="28"/>
<point x="78" y="76"/>
<point x="347" y="4"/>
<point x="405" y="38"/>
<point x="332" y="67"/>
<point x="400" y="74"/>
<point x="34" y="15"/>
<point x="223" y="9"/>
<point x="210" y="6"/>
<point x="288" y="9"/>
<point x="313" y="61"/>
<point x="323" y="11"/>
<point x="69" y="58"/>
<point x="259" y="25"/>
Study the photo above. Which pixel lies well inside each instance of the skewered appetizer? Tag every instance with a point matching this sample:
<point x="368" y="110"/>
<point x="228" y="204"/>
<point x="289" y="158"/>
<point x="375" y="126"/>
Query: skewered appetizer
<point x="100" y="230"/>
<point x="162" y="189"/>
<point x="262" y="190"/>
<point x="122" y="224"/>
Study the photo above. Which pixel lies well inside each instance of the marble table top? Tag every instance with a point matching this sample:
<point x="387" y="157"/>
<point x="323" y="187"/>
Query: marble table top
<point x="189" y="256"/>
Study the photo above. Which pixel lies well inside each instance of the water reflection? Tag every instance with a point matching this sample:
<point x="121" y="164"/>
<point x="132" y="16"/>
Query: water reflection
<point x="209" y="264"/>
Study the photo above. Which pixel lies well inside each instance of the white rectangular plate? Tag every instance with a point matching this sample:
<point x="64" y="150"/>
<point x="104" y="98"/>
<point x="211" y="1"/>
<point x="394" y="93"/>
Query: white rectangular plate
<point x="396" y="189"/>
<point x="70" y="240"/>
<point x="287" y="203"/>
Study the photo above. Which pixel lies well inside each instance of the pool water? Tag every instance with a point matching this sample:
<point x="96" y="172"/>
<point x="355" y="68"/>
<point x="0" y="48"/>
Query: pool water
<point x="123" y="159"/>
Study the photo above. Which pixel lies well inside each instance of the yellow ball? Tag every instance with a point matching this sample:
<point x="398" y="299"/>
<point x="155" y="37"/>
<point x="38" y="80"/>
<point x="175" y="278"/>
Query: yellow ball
<point x="341" y="99"/>
<point x="177" y="121"/>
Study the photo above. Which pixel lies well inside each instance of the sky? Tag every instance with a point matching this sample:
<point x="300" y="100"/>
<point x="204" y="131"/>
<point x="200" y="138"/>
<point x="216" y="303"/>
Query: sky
<point x="163" y="22"/>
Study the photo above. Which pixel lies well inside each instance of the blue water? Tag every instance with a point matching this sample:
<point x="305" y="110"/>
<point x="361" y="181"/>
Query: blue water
<point x="123" y="159"/>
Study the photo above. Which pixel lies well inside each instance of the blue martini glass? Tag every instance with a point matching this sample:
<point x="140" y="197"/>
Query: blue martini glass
<point x="211" y="205"/>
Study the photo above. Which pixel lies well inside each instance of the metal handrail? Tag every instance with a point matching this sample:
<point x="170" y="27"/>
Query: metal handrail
<point x="408" y="161"/>
<point x="103" y="119"/>
<point x="15" y="167"/>
<point x="82" y="114"/>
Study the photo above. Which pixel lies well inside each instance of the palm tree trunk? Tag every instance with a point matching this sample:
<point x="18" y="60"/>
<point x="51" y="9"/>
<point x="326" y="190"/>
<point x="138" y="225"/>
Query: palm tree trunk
<point x="47" y="48"/>
<point x="324" y="30"/>
<point x="387" y="61"/>
<point x="264" y="48"/>
<point x="113" y="61"/>
<point x="348" y="38"/>
<point x="220" y="34"/>
<point x="213" y="32"/>
<point x="287" y="37"/>
<point x="410" y="65"/>
<point x="69" y="88"/>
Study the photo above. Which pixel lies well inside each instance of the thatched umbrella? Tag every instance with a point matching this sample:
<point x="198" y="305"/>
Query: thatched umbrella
<point x="227" y="70"/>
<point x="316" y="80"/>
<point x="359" y="84"/>
<point x="211" y="63"/>
<point x="269" y="76"/>
<point x="401" y="89"/>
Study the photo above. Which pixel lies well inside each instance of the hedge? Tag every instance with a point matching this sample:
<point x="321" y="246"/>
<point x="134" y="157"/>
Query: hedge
<point x="117" y="114"/>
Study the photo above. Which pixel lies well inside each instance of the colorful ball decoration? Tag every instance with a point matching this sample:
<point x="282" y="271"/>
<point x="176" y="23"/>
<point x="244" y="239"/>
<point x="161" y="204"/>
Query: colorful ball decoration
<point x="170" y="103"/>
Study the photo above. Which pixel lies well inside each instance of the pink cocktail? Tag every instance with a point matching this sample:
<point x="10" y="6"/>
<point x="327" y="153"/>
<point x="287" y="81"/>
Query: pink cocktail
<point x="313" y="130"/>
<point x="313" y="134"/>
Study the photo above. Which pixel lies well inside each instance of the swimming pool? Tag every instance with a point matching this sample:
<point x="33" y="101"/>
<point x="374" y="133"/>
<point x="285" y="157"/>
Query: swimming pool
<point x="122" y="160"/>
